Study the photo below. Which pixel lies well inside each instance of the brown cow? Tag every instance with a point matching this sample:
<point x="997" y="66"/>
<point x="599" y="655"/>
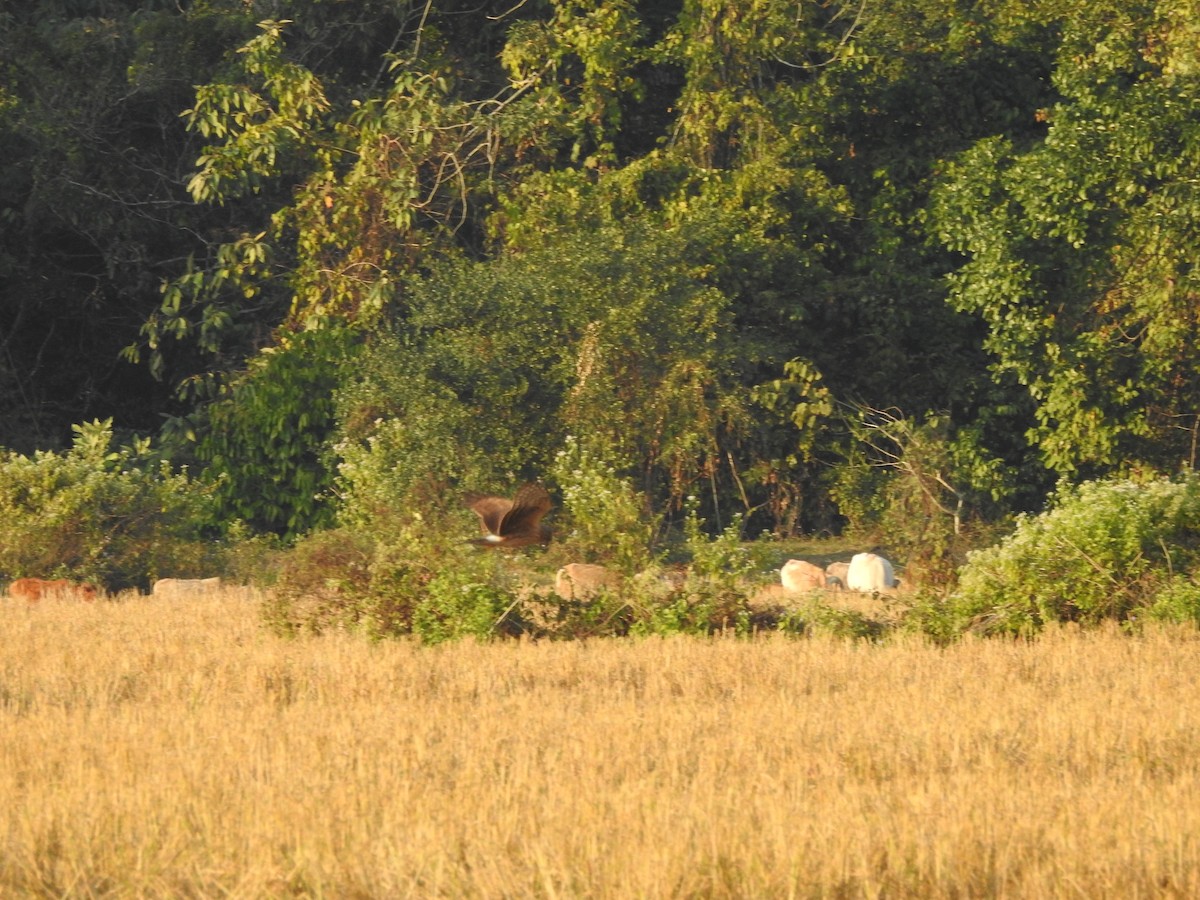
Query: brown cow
<point x="582" y="581"/>
<point x="835" y="575"/>
<point x="32" y="590"/>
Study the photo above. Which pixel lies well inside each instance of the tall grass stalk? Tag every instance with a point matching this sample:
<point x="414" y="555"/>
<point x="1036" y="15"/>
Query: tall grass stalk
<point x="152" y="749"/>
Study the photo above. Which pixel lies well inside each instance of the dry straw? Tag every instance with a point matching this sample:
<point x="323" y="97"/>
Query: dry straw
<point x="152" y="749"/>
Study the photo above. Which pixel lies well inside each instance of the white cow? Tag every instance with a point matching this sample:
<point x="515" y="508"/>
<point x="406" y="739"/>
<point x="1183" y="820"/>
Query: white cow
<point x="175" y="588"/>
<point x="870" y="572"/>
<point x="798" y="575"/>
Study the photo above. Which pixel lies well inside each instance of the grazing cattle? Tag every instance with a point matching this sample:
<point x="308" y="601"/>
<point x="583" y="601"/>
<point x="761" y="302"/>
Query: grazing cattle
<point x="31" y="590"/>
<point x="176" y="588"/>
<point x="798" y="575"/>
<point x="870" y="572"/>
<point x="837" y="570"/>
<point x="582" y="581"/>
<point x="512" y="523"/>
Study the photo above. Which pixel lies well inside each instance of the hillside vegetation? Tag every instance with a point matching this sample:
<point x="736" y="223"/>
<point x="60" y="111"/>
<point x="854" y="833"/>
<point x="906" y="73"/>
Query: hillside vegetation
<point x="896" y="269"/>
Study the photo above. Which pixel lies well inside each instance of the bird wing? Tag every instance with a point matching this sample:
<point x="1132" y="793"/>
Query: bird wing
<point x="528" y="506"/>
<point x="490" y="509"/>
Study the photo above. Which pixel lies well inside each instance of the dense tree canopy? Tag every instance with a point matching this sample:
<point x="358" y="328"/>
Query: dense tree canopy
<point x="358" y="253"/>
<point x="1082" y="247"/>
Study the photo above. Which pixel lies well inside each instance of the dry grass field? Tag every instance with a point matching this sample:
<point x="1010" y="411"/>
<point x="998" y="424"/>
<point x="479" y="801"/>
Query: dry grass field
<point x="175" y="749"/>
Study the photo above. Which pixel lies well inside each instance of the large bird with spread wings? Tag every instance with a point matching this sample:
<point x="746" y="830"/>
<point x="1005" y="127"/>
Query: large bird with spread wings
<point x="512" y="523"/>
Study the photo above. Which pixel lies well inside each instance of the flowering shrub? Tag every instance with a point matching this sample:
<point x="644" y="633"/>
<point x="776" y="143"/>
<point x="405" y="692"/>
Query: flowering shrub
<point x="606" y="519"/>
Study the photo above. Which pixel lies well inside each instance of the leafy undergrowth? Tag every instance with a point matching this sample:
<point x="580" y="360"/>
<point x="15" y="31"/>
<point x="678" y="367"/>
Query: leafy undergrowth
<point x="1119" y="551"/>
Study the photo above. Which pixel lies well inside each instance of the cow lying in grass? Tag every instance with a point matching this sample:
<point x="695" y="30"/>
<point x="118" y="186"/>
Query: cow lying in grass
<point x="798" y="576"/>
<point x="31" y="590"/>
<point x="870" y="573"/>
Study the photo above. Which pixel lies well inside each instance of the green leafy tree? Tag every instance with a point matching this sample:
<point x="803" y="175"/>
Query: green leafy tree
<point x="617" y="337"/>
<point x="578" y="64"/>
<point x="1080" y="248"/>
<point x="677" y="231"/>
<point x="920" y="486"/>
<point x="385" y="181"/>
<point x="265" y="439"/>
<point x="820" y="130"/>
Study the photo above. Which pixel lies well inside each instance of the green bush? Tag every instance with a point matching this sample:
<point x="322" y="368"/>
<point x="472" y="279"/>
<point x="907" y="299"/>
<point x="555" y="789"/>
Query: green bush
<point x="820" y="618"/>
<point x="1105" y="550"/>
<point x="346" y="579"/>
<point x="699" y="608"/>
<point x="931" y="615"/>
<point x="399" y="581"/>
<point x="116" y="517"/>
<point x="463" y="601"/>
<point x="1178" y="600"/>
<point x="722" y="558"/>
<point x="404" y="439"/>
<point x="606" y="613"/>
<point x="323" y="583"/>
<point x="713" y="594"/>
<point x="604" y="519"/>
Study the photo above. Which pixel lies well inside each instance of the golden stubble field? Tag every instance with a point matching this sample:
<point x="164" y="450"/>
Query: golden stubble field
<point x="152" y="749"/>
